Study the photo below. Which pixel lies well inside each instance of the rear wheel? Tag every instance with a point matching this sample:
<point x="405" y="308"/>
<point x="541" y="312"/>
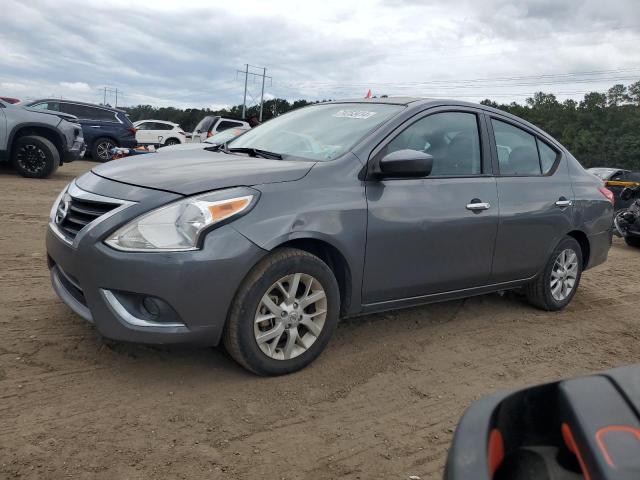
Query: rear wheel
<point x="35" y="157"/>
<point x="284" y="313"/>
<point x="101" y="149"/>
<point x="633" y="241"/>
<point x="554" y="288"/>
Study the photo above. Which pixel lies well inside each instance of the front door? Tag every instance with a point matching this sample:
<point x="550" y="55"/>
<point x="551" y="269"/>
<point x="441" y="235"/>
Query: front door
<point x="435" y="234"/>
<point x="536" y="200"/>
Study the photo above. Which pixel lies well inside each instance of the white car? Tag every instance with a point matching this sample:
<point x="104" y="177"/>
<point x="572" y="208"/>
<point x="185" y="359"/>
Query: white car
<point x="217" y="139"/>
<point x="159" y="132"/>
<point x="212" y="124"/>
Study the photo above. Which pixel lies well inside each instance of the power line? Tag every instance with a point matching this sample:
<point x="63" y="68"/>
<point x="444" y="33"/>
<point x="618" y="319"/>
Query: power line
<point x="555" y="78"/>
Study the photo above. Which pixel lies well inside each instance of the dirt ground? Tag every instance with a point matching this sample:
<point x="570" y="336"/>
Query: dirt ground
<point x="381" y="403"/>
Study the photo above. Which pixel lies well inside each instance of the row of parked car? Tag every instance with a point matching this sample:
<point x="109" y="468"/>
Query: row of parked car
<point x="37" y="136"/>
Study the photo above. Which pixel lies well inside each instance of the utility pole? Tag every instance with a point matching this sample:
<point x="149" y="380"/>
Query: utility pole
<point x="244" y="100"/>
<point x="246" y="72"/>
<point x="110" y="90"/>
<point x="264" y="74"/>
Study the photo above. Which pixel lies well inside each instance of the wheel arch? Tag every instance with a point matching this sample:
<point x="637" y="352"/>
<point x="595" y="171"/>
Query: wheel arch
<point x="107" y="136"/>
<point x="333" y="257"/>
<point x="37" y="129"/>
<point x="583" y="240"/>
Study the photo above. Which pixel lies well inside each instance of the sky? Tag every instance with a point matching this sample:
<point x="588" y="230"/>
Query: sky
<point x="186" y="54"/>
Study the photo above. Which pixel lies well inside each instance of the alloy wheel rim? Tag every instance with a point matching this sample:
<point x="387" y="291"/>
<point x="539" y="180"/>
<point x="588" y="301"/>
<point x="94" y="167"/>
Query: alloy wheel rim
<point x="103" y="150"/>
<point x="32" y="159"/>
<point x="290" y="316"/>
<point x="564" y="274"/>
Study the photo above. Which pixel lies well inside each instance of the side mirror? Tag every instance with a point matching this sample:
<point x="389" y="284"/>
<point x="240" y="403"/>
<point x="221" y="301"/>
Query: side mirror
<point x="406" y="163"/>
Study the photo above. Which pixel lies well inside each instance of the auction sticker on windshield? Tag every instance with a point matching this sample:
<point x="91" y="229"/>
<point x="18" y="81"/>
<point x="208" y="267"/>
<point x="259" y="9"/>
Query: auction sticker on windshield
<point x="360" y="115"/>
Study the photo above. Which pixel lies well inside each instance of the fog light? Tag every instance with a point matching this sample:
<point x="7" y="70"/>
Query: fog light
<point x="152" y="306"/>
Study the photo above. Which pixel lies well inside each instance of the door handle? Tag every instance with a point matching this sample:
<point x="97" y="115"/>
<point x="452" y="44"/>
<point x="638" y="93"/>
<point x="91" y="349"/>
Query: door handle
<point x="477" y="206"/>
<point x="95" y="126"/>
<point x="563" y="203"/>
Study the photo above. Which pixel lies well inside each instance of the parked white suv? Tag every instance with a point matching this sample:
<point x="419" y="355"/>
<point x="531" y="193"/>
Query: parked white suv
<point x="212" y="124"/>
<point x="159" y="132"/>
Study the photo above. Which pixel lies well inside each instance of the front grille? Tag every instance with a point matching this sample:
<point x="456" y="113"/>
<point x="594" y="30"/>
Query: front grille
<point x="81" y="213"/>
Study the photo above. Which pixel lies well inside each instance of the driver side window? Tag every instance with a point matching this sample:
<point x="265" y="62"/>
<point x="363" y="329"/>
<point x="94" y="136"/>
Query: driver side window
<point x="452" y="138"/>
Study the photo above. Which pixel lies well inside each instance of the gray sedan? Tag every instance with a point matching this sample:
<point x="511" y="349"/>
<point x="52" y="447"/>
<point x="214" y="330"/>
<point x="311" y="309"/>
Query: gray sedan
<point x="333" y="210"/>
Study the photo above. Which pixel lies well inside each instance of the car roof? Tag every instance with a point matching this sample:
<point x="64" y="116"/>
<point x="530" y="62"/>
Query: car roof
<point x="389" y="100"/>
<point x="86" y="104"/>
<point x="158" y="121"/>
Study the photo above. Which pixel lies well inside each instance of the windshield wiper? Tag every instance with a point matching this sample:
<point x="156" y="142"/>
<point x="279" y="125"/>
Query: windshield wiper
<point x="217" y="147"/>
<point x="256" y="152"/>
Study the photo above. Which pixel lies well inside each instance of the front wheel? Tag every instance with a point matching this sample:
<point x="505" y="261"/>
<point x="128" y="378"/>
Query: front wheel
<point x="35" y="157"/>
<point x="172" y="141"/>
<point x="283" y="314"/>
<point x="554" y="288"/>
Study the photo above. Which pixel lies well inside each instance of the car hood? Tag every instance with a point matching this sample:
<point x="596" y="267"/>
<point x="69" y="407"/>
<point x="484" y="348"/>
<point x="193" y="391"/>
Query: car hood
<point x="182" y="147"/>
<point x="200" y="171"/>
<point x="65" y="116"/>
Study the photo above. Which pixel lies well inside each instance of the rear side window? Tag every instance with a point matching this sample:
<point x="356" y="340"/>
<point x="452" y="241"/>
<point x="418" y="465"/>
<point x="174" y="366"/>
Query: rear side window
<point x="225" y="125"/>
<point x="517" y="150"/>
<point x="452" y="138"/>
<point x="55" y="106"/>
<point x="548" y="157"/>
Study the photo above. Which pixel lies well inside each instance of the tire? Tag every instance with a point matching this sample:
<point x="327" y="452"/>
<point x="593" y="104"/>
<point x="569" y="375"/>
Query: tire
<point x="35" y="157"/>
<point x="171" y="141"/>
<point x="242" y="331"/>
<point x="539" y="291"/>
<point x="633" y="241"/>
<point x="101" y="147"/>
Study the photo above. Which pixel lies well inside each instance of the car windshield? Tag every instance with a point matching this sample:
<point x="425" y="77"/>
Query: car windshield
<point x="319" y="132"/>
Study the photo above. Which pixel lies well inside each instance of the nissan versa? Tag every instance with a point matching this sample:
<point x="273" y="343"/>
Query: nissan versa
<point x="336" y="209"/>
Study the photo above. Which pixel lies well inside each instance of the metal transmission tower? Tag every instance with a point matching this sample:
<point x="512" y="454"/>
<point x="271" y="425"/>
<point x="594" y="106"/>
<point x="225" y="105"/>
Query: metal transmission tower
<point x="110" y="90"/>
<point x="246" y="73"/>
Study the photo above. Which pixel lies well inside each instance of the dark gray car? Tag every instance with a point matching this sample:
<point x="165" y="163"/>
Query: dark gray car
<point x="333" y="210"/>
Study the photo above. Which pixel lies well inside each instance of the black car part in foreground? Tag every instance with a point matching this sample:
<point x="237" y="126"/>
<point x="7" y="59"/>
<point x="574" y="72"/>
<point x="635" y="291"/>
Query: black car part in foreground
<point x="582" y="428"/>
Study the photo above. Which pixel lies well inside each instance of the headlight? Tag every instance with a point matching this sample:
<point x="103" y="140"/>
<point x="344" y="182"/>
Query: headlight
<point x="54" y="208"/>
<point x="178" y="226"/>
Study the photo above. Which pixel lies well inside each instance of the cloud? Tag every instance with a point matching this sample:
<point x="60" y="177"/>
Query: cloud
<point x="183" y="55"/>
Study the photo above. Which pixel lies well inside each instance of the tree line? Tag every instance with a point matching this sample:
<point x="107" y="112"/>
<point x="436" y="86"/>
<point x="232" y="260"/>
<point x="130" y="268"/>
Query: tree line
<point x="601" y="130"/>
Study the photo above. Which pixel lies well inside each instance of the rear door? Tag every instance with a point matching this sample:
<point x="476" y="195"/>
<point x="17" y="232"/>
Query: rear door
<point x="536" y="198"/>
<point x="144" y="133"/>
<point x="434" y="234"/>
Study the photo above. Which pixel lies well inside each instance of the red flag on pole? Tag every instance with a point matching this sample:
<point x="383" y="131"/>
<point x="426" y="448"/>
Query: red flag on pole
<point x="368" y="95"/>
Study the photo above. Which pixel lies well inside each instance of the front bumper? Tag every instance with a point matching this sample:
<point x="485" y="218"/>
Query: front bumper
<point x="107" y="287"/>
<point x="76" y="152"/>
